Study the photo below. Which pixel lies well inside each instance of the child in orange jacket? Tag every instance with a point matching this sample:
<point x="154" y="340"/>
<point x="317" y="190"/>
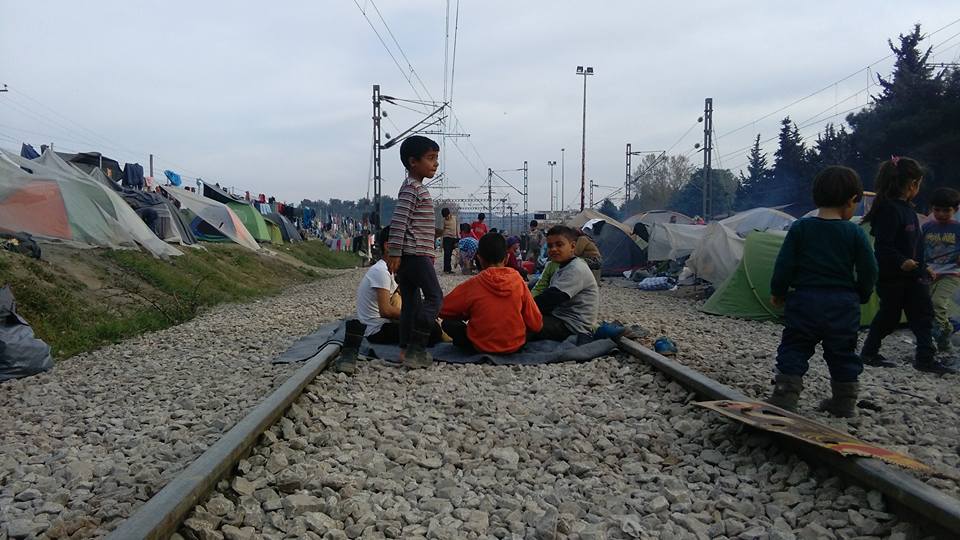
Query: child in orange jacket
<point x="492" y="311"/>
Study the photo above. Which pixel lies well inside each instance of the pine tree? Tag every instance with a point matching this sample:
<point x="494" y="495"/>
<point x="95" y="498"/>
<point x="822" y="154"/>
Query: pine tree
<point x="609" y="209"/>
<point x="789" y="184"/>
<point x="755" y="182"/>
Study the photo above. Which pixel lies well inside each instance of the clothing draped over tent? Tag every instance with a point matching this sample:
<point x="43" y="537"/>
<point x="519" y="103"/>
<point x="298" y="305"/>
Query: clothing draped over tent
<point x="133" y="176"/>
<point x="58" y="201"/>
<point x="173" y="178"/>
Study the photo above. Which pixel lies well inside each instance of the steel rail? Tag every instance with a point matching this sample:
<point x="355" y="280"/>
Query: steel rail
<point x="939" y="513"/>
<point x="162" y="515"/>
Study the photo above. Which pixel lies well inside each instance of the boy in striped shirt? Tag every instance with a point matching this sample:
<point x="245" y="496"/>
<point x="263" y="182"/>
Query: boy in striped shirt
<point x="410" y="251"/>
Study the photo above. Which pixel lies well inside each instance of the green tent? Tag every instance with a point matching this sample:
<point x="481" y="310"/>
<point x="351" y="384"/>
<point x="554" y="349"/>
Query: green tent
<point x="276" y="237"/>
<point x="251" y="219"/>
<point x="746" y="293"/>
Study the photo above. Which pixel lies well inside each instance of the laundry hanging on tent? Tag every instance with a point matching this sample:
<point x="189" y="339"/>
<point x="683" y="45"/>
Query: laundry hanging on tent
<point x="173" y="177"/>
<point x="132" y="176"/>
<point x="28" y="151"/>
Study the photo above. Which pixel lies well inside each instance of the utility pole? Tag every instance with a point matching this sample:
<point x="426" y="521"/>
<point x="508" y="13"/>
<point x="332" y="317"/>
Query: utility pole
<point x="377" y="202"/>
<point x="562" y="178"/>
<point x="585" y="72"/>
<point x="591" y="194"/>
<point x="626" y="184"/>
<point x="490" y="193"/>
<point x="553" y="197"/>
<point x="151" y="165"/>
<point x="707" y="157"/>
<point x="526" y="192"/>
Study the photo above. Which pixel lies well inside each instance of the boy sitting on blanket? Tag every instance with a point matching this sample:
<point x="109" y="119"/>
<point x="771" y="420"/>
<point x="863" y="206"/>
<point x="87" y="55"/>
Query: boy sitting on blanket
<point x="493" y="311"/>
<point x="570" y="302"/>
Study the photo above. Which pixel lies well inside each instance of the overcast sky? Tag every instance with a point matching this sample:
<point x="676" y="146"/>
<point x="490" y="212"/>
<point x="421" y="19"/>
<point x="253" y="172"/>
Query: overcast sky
<point x="277" y="98"/>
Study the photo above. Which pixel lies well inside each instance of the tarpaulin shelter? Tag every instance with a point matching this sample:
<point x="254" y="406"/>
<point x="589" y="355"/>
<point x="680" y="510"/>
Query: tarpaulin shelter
<point x="88" y="161"/>
<point x="658" y="216"/>
<point x="21" y="353"/>
<point x="59" y="202"/>
<point x="717" y="255"/>
<point x="620" y="252"/>
<point x="670" y="241"/>
<point x="758" y="219"/>
<point x="581" y="219"/>
<point x="746" y="293"/>
<point x="251" y="217"/>
<point x="217" y="218"/>
<point x="287" y="230"/>
<point x="163" y="218"/>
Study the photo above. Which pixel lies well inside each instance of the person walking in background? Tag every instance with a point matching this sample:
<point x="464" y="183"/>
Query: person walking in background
<point x="827" y="262"/>
<point x="467" y="249"/>
<point x="534" y="242"/>
<point x="899" y="252"/>
<point x="411" y="250"/>
<point x="449" y="239"/>
<point x="941" y="249"/>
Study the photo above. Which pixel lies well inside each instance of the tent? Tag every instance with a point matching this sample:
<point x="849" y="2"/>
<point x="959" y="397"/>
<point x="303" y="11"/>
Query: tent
<point x="88" y="161"/>
<point x="758" y="219"/>
<point x="581" y="219"/>
<point x="670" y="241"/>
<point x="59" y="202"/>
<point x="276" y="237"/>
<point x="658" y="216"/>
<point x="717" y="255"/>
<point x="620" y="252"/>
<point x="746" y="293"/>
<point x="287" y="229"/>
<point x="251" y="217"/>
<point x="217" y="222"/>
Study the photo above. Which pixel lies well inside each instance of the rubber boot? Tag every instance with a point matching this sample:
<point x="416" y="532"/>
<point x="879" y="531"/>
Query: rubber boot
<point x="786" y="391"/>
<point x="416" y="356"/>
<point x="347" y="361"/>
<point x="843" y="402"/>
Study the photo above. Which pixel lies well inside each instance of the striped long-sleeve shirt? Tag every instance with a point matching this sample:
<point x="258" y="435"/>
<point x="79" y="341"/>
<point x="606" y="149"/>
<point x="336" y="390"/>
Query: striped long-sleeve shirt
<point x="412" y="227"/>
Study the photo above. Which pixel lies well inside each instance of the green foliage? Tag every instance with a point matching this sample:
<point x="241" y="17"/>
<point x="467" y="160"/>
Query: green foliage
<point x="316" y="253"/>
<point x="689" y="200"/>
<point x="146" y="294"/>
<point x="609" y="209"/>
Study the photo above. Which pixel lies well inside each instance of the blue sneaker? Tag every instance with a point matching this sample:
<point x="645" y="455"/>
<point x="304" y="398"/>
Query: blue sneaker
<point x="665" y="346"/>
<point x="608" y="330"/>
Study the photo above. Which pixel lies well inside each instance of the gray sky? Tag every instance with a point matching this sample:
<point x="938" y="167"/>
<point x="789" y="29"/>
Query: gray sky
<point x="276" y="99"/>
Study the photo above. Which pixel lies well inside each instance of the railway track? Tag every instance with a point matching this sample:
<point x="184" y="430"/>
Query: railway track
<point x="478" y="451"/>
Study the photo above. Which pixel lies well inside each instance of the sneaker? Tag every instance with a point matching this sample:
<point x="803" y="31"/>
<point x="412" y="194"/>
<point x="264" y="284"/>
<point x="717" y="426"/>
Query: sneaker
<point x="665" y="346"/>
<point x="876" y="360"/>
<point x="936" y="366"/>
<point x="608" y="330"/>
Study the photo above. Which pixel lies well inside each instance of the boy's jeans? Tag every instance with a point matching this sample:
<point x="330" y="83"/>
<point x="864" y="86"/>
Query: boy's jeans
<point x="941" y="292"/>
<point x="417" y="276"/>
<point x="830" y="316"/>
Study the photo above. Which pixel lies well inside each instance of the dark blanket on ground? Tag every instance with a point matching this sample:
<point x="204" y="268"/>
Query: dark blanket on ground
<point x="534" y="353"/>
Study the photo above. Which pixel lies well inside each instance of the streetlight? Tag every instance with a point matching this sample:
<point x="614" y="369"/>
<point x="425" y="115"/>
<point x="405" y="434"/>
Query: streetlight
<point x="552" y="164"/>
<point x="583" y="151"/>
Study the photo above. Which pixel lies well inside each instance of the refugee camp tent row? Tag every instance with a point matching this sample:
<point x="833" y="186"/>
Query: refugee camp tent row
<point x="669" y="241"/>
<point x="658" y="216"/>
<point x="251" y="217"/>
<point x="288" y="231"/>
<point x="58" y="202"/>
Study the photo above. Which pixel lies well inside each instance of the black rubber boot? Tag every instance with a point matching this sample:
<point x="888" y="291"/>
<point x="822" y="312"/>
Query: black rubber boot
<point x="786" y="391"/>
<point x="416" y="356"/>
<point x="876" y="360"/>
<point x="843" y="402"/>
<point x="347" y="361"/>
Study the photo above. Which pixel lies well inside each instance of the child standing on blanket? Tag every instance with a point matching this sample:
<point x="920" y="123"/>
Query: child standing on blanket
<point x="827" y="262"/>
<point x="902" y="283"/>
<point x="493" y="311"/>
<point x="410" y="251"/>
<point x="941" y="248"/>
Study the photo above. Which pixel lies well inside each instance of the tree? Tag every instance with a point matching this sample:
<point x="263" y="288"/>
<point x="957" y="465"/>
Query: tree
<point x="756" y="181"/>
<point x="689" y="199"/>
<point x="790" y="183"/>
<point x="609" y="209"/>
<point x="658" y="178"/>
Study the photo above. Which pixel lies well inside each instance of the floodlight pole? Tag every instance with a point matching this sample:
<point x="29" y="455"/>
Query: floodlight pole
<point x="377" y="178"/>
<point x="583" y="149"/>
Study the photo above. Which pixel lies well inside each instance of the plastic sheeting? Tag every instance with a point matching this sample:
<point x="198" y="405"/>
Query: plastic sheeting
<point x="21" y="353"/>
<point x="173" y="178"/>
<point x="216" y="214"/>
<point x="60" y="202"/>
<point x="669" y="241"/>
<point x="718" y="254"/>
<point x="758" y="219"/>
<point x="658" y="216"/>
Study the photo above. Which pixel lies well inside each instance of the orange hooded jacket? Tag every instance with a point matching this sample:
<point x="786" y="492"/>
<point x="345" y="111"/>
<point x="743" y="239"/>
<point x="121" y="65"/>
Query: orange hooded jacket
<point x="498" y="307"/>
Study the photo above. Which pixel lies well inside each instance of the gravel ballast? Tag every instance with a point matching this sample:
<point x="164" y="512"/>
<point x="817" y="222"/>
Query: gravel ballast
<point x="85" y="444"/>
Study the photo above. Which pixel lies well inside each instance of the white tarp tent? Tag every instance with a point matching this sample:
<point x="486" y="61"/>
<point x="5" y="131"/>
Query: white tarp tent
<point x="758" y="219"/>
<point x="717" y="255"/>
<point x="57" y="201"/>
<point x="669" y="241"/>
<point x="217" y="214"/>
<point x="658" y="216"/>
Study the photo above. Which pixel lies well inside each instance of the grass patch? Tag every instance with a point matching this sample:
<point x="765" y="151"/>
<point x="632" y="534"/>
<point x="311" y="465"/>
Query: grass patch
<point x="141" y="293"/>
<point x="316" y="253"/>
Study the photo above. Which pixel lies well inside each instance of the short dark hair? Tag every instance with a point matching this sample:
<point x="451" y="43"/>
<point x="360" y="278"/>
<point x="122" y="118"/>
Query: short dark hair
<point x="534" y="223"/>
<point x="563" y="230"/>
<point x="382" y="238"/>
<point x="481" y="216"/>
<point x="492" y="248"/>
<point x="416" y="146"/>
<point x="464" y="227"/>
<point x="445" y="212"/>
<point x="945" y="198"/>
<point x="835" y="185"/>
